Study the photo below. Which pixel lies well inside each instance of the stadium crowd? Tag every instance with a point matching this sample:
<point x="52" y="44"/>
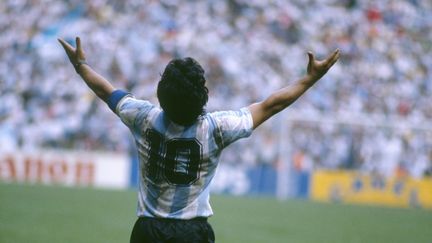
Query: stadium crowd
<point x="370" y="112"/>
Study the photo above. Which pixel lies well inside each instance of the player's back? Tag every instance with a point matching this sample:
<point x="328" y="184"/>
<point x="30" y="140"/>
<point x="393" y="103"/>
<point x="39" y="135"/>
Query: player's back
<point x="177" y="163"/>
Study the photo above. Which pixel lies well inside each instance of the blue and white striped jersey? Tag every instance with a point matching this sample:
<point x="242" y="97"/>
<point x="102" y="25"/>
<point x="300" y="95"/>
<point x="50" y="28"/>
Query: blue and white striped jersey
<point x="177" y="163"/>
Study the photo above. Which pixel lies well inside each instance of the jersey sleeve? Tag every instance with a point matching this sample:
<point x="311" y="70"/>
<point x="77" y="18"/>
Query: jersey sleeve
<point x="232" y="125"/>
<point x="131" y="111"/>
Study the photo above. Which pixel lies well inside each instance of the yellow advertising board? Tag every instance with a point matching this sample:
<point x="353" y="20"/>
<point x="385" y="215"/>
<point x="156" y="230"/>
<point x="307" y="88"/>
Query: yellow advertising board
<point x="353" y="187"/>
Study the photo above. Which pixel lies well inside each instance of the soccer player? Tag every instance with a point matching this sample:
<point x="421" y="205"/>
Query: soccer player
<point x="179" y="144"/>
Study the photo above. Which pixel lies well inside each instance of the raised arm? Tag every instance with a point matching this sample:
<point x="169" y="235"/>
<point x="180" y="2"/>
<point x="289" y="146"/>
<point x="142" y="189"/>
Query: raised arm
<point x="100" y="86"/>
<point x="284" y="97"/>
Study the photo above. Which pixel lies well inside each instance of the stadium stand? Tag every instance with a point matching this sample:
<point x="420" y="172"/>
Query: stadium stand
<point x="372" y="112"/>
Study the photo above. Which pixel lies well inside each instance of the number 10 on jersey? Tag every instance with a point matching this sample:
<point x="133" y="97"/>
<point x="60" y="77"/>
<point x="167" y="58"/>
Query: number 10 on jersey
<point x="176" y="160"/>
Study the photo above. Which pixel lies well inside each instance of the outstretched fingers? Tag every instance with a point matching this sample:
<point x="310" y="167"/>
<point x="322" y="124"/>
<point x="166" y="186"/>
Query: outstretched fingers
<point x="66" y="45"/>
<point x="330" y="61"/>
<point x="79" y="49"/>
<point x="78" y="42"/>
<point x="311" y="56"/>
<point x="311" y="60"/>
<point x="70" y="50"/>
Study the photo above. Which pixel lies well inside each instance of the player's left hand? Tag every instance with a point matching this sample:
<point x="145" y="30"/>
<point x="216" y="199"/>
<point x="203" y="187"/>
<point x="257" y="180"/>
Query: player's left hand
<point x="76" y="55"/>
<point x="316" y="69"/>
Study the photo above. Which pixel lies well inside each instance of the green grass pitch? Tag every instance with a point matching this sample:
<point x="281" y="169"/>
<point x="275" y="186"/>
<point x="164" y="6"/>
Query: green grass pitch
<point x="59" y="214"/>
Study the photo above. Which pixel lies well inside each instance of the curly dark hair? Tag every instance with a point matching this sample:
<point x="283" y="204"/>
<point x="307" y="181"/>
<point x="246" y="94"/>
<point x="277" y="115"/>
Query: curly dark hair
<point x="182" y="92"/>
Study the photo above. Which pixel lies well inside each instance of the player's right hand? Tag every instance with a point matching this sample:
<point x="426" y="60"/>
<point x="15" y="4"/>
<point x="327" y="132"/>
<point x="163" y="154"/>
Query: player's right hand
<point x="76" y="55"/>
